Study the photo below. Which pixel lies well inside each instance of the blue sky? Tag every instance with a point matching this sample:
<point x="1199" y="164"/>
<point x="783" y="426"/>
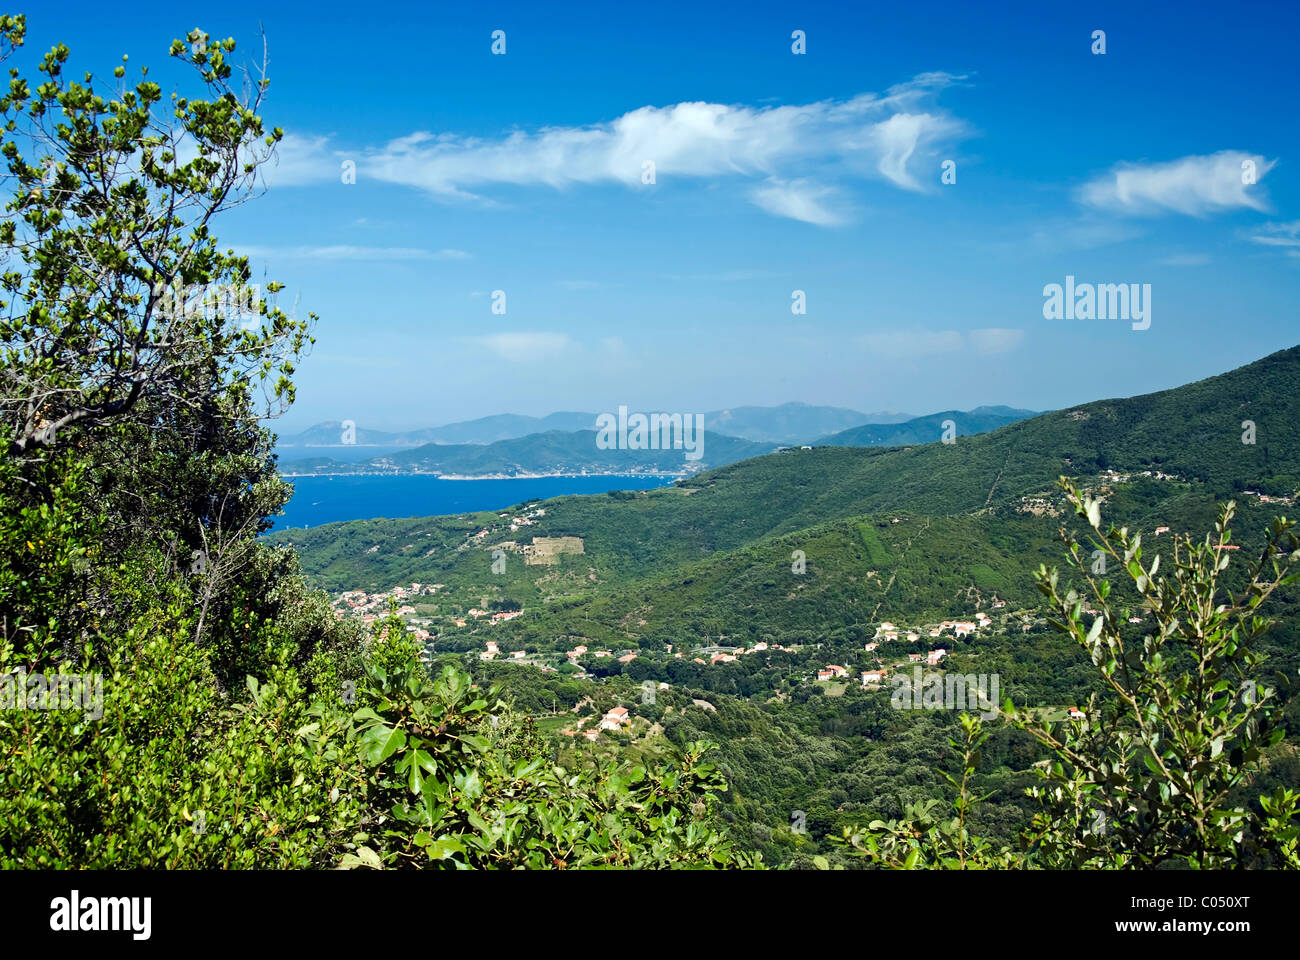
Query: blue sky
<point x="774" y="172"/>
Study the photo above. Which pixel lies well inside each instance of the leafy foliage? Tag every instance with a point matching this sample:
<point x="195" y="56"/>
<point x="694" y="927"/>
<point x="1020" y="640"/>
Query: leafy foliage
<point x="1145" y="777"/>
<point x="223" y="717"/>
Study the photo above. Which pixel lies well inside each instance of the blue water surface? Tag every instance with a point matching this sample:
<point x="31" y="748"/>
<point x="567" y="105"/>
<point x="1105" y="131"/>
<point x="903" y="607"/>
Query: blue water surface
<point x="318" y="500"/>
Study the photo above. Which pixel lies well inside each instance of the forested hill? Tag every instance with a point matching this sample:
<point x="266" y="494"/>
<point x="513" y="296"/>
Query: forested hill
<point x="554" y="451"/>
<point x="1193" y="432"/>
<point x="926" y="429"/>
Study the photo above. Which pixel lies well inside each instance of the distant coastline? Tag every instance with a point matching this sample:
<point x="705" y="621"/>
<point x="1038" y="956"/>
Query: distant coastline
<point x="491" y="476"/>
<point x="320" y="498"/>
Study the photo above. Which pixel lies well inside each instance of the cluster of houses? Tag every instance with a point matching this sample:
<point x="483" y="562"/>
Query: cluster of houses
<point x="520" y="520"/>
<point x="581" y="649"/>
<point x="890" y="633"/>
<point x="1046" y="504"/>
<point x="876" y="677"/>
<point x="1114" y="476"/>
<point x="1269" y="498"/>
<point x="524" y="519"/>
<point x="616" y="719"/>
<point x="493" y="651"/>
<point x="369" y="607"/>
<point x="501" y="616"/>
<point x="732" y="653"/>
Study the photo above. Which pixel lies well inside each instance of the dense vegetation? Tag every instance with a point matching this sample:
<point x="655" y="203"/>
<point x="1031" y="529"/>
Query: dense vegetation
<point x="224" y="716"/>
<point x="707" y="565"/>
<point x="174" y="696"/>
<point x="927" y="429"/>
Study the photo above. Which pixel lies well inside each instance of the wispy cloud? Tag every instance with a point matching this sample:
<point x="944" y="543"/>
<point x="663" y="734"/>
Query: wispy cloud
<point x="1278" y="234"/>
<point x="347" y="252"/>
<point x="993" y="340"/>
<point x="303" y="159"/>
<point x="1076" y="233"/>
<point x="1195" y="185"/>
<point x="902" y="344"/>
<point x="522" y="347"/>
<point x="798" y="200"/>
<point x="615" y="350"/>
<point x="881" y="137"/>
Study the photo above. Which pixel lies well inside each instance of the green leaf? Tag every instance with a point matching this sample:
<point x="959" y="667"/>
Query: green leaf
<point x="380" y="743"/>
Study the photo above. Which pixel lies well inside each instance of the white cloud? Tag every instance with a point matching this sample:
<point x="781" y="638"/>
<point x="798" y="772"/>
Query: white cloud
<point x="522" y="347"/>
<point x="991" y="340"/>
<point x="1080" y="233"/>
<point x="1196" y="186"/>
<point x="880" y="137"/>
<point x="615" y="350"/>
<point x="798" y="200"/>
<point x="300" y="160"/>
<point x="1278" y="234"/>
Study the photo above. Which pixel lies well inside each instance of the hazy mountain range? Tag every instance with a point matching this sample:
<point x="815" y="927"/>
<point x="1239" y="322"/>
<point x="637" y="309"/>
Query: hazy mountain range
<point x="553" y="452"/>
<point x="559" y="451"/>
<point x="787" y="423"/>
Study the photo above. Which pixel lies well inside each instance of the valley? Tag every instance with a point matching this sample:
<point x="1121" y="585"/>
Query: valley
<point x="690" y="588"/>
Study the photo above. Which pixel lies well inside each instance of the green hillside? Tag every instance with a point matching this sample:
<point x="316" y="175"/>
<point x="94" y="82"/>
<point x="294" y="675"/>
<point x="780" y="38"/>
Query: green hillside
<point x="913" y="535"/>
<point x="1192" y="433"/>
<point x="752" y="667"/>
<point x="554" y="451"/>
<point x="925" y="429"/>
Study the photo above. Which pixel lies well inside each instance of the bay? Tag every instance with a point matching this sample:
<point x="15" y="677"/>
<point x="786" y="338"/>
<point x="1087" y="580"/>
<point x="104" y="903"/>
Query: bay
<point x="329" y="499"/>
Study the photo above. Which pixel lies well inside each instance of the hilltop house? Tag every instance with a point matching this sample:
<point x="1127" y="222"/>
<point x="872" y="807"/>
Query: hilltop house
<point x="615" y="719"/>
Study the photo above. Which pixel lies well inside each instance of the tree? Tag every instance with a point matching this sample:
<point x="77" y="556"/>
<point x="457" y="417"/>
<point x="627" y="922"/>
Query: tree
<point x="1145" y="777"/>
<point x="117" y="300"/>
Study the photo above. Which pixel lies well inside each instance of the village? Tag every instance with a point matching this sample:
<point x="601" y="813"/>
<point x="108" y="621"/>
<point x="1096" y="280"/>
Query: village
<point x="621" y="719"/>
<point x="883" y="659"/>
<point x="888" y="632"/>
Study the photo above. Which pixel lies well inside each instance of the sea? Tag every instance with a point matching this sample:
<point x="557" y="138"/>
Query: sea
<point x="328" y="499"/>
